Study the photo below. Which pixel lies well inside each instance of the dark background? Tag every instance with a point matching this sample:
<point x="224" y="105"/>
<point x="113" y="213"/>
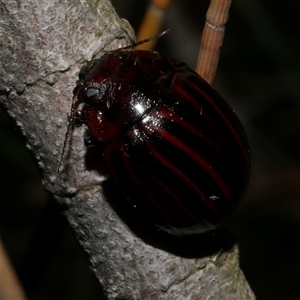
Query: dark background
<point x="259" y="75"/>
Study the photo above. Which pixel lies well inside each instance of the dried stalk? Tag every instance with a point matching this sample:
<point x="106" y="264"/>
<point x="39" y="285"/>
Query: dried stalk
<point x="212" y="39"/>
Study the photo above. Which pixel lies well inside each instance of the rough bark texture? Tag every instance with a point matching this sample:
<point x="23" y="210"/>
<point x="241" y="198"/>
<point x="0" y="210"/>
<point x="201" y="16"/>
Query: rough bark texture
<point x="43" y="45"/>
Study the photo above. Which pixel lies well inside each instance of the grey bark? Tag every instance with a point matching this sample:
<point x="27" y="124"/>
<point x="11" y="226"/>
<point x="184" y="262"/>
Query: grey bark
<point x="43" y="44"/>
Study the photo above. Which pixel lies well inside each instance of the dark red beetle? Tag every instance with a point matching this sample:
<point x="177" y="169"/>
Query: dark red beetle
<point x="171" y="143"/>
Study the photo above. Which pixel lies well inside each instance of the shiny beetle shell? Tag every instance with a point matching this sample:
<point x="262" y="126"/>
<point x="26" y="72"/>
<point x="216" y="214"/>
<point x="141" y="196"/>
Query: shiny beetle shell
<point x="171" y="143"/>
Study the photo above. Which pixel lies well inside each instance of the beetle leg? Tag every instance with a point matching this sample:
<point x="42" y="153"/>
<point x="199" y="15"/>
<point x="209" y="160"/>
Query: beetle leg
<point x="89" y="139"/>
<point x="78" y="118"/>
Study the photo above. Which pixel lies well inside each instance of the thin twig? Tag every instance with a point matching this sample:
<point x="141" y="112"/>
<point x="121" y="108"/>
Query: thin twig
<point x="212" y="39"/>
<point x="152" y="21"/>
<point x="10" y="287"/>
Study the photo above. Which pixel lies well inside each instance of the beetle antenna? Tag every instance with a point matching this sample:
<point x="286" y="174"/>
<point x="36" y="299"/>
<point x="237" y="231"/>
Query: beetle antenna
<point x="70" y="124"/>
<point x="146" y="40"/>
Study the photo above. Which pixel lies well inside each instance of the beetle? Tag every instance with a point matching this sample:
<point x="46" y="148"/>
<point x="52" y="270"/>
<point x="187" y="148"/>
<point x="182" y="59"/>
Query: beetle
<point x="171" y="143"/>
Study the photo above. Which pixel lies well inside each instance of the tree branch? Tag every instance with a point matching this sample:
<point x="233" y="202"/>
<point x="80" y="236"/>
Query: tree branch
<point x="43" y="45"/>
